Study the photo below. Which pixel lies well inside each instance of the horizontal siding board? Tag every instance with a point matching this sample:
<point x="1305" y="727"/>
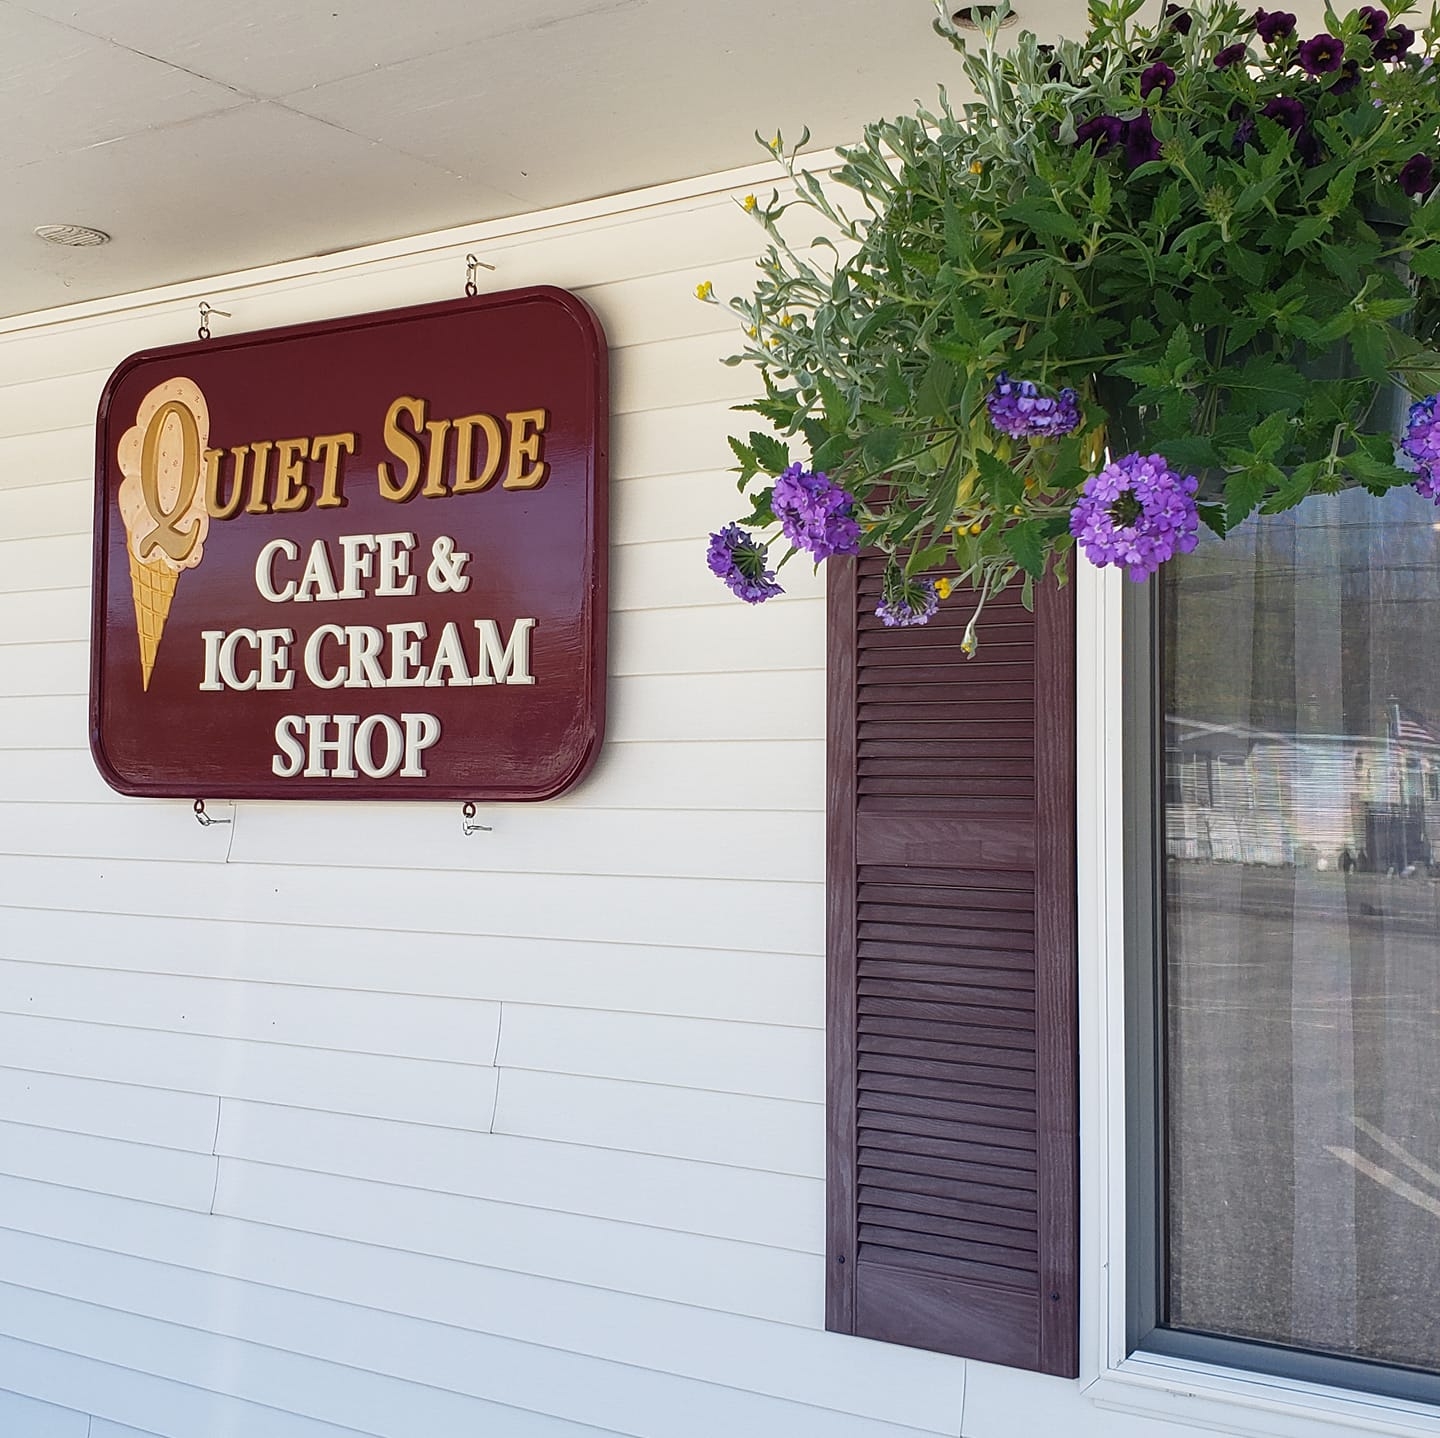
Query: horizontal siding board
<point x="663" y="1191"/>
<point x="756" y="1280"/>
<point x="619" y="909"/>
<point x="29" y="1418"/>
<point x="655" y="844"/>
<point x="730" y="985"/>
<point x="447" y="1095"/>
<point x="691" y="1053"/>
<point x="459" y="1030"/>
<point x="158" y="1118"/>
<point x="128" y="1170"/>
<point x="650" y="776"/>
<point x="776" y="1135"/>
<point x="796" y="1364"/>
<point x="558" y="1384"/>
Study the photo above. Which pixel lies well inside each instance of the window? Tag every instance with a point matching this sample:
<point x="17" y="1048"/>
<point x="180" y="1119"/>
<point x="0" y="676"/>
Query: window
<point x="1285" y="1112"/>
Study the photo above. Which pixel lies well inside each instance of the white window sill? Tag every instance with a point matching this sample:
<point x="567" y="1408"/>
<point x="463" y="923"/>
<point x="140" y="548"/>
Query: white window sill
<point x="1226" y="1400"/>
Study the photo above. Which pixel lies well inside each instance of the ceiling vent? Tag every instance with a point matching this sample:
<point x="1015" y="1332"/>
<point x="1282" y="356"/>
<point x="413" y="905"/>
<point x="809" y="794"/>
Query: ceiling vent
<point x="75" y="237"/>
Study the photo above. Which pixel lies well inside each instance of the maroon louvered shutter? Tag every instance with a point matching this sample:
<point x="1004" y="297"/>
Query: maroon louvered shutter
<point x="953" y="1218"/>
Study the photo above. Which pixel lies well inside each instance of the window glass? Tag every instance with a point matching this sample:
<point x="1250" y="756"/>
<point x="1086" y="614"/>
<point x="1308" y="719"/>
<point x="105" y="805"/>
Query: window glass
<point x="1300" y="981"/>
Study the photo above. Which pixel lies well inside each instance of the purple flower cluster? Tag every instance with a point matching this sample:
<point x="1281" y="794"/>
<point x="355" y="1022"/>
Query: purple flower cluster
<point x="1420" y="448"/>
<point x="1321" y="55"/>
<point x="737" y="559"/>
<point x="1017" y="408"/>
<point x="815" y="514"/>
<point x="1417" y="176"/>
<point x="1230" y="55"/>
<point x="907" y="601"/>
<point x="1137" y="135"/>
<point x="1394" y="44"/>
<point x="1137" y="513"/>
<point x="1273" y="25"/>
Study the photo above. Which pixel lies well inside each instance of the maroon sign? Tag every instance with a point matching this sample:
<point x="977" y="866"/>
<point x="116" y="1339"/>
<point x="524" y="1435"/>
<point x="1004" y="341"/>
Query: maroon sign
<point x="358" y="559"/>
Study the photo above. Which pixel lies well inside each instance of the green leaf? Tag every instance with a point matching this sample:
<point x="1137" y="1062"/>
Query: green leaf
<point x="1005" y="487"/>
<point x="771" y="455"/>
<point x="881" y="446"/>
<point x="1307" y="232"/>
<point x="762" y="514"/>
<point x="1027" y="543"/>
<point x="1425" y="261"/>
<point x="746" y="456"/>
<point x="1213" y="517"/>
<point x="1243" y="491"/>
<point x="837" y="408"/>
<point x="1045" y="217"/>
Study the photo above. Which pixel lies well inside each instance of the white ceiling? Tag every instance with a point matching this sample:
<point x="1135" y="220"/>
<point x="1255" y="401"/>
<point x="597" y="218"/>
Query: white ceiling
<point x="207" y="136"/>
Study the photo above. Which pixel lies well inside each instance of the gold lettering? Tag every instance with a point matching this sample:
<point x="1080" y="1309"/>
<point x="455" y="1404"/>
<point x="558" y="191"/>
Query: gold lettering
<point x="465" y="481"/>
<point x="175" y="542"/>
<point x="259" y="456"/>
<point x="435" y="465"/>
<point x="404" y="445"/>
<point x="526" y="427"/>
<point x="329" y="449"/>
<point x="291" y="491"/>
<point x="223" y="508"/>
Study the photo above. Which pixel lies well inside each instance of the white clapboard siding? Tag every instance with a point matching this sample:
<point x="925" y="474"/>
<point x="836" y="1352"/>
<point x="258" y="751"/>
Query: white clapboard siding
<point x="619" y="909"/>
<point x="635" y="775"/>
<point x="528" y="1377"/>
<point x="747" y="1204"/>
<point x="335" y="1123"/>
<point x="129" y="1170"/>
<point x="721" y="1274"/>
<point x="748" y="987"/>
<point x="692" y="1053"/>
<point x="686" y="1340"/>
<point x="460" y="1030"/>
<point x="33" y="1419"/>
<point x="445" y="1094"/>
<point x="162" y="1118"/>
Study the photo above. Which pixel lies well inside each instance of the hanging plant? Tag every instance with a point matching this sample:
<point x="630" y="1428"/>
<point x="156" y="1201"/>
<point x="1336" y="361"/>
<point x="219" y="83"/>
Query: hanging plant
<point x="1165" y="275"/>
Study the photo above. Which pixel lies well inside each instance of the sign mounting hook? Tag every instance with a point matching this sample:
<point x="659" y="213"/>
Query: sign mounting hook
<point x="471" y="265"/>
<point x="204" y="332"/>
<point x="468" y="826"/>
<point x="205" y="820"/>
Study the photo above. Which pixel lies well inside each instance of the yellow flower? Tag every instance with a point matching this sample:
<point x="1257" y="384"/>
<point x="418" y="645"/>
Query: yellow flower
<point x="704" y="290"/>
<point x="749" y="203"/>
<point x="1018" y="509"/>
<point x="776" y="142"/>
<point x="787" y="320"/>
<point x="976" y="527"/>
<point x="967" y="644"/>
<point x="772" y="342"/>
<point x="753" y="333"/>
<point x="976" y="168"/>
<point x="942" y="588"/>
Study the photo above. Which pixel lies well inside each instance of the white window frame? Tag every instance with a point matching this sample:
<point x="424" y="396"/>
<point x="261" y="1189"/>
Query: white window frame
<point x="1223" y="1400"/>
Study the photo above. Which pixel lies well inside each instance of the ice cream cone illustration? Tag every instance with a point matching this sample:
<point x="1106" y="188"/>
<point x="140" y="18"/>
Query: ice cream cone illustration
<point x="162" y="503"/>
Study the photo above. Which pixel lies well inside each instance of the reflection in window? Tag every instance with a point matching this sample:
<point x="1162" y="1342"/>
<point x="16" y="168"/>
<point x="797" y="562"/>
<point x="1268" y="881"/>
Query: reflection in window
<point x="1301" y="975"/>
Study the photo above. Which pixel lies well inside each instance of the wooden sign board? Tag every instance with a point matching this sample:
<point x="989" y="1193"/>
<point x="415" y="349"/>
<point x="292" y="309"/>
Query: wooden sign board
<point x="364" y="558"/>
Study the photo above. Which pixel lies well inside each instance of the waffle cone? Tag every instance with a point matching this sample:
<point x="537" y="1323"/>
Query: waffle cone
<point x="152" y="583"/>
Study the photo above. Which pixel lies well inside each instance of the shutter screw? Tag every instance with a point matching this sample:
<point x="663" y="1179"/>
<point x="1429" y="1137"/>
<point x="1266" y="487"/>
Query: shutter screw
<point x="1054" y="1298"/>
<point x="839" y="1258"/>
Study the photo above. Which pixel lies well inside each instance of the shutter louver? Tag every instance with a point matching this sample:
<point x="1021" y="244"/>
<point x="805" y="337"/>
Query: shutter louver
<point x="952" y="1192"/>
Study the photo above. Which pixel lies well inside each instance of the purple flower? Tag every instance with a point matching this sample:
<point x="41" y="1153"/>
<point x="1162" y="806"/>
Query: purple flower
<point x="1244" y="123"/>
<point x="737" y="559"/>
<point x="1179" y="20"/>
<point x="1273" y="25"/>
<point x="906" y="601"/>
<point x="1395" y="43"/>
<point x="815" y="514"/>
<point x="1321" y="55"/>
<point x="1141" y="145"/>
<point x="1285" y="110"/>
<point x="1348" y="78"/>
<point x="1420" y="448"/>
<point x="1158" y="77"/>
<point x="1372" y="22"/>
<point x="1104" y="130"/>
<point x="1017" y="408"/>
<point x="1417" y="176"/>
<point x="1137" y="513"/>
<point x="1230" y="55"/>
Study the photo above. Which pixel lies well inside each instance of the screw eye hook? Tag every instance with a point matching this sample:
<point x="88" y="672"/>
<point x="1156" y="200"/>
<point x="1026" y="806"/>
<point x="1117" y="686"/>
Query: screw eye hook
<point x="205" y="820"/>
<point x="204" y="332"/>
<point x="471" y="265"/>
<point x="468" y="826"/>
